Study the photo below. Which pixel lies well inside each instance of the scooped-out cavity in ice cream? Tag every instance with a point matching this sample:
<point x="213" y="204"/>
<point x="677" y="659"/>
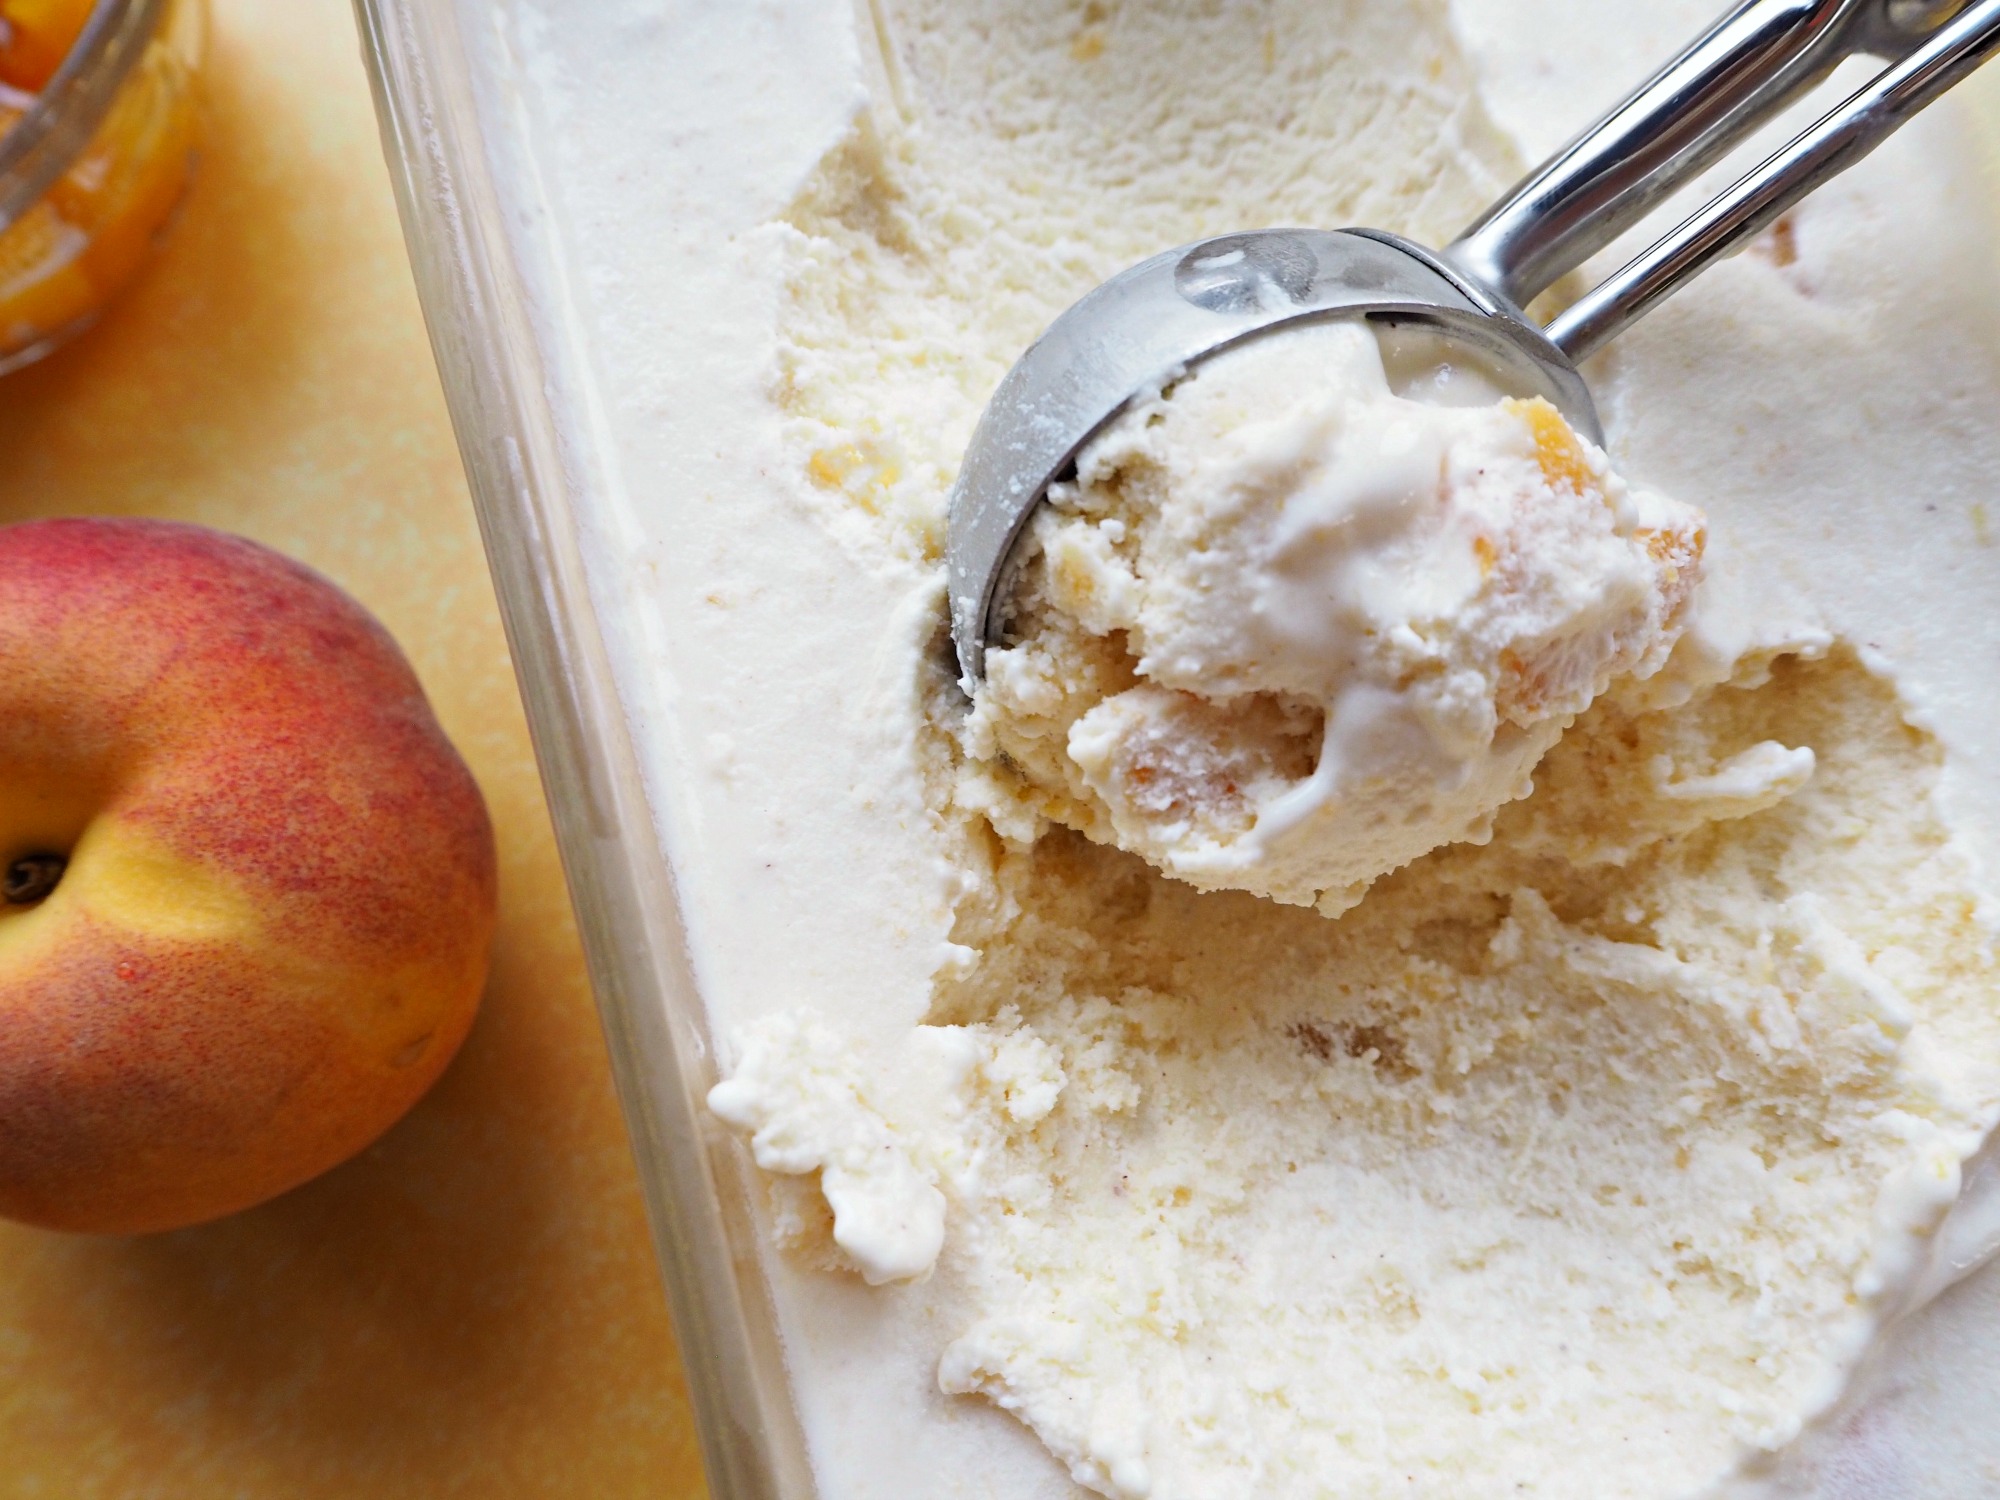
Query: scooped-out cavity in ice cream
<point x="1293" y="625"/>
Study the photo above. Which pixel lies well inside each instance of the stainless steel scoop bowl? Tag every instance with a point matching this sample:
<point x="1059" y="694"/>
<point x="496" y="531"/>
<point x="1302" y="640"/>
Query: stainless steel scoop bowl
<point x="1152" y="322"/>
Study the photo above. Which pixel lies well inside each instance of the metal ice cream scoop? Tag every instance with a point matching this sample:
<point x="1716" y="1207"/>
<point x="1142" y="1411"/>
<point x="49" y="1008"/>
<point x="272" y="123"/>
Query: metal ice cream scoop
<point x="1160" y="317"/>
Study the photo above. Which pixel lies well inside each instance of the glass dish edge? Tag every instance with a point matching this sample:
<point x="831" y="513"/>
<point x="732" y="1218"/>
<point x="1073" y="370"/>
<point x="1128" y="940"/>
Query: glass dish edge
<point x="620" y="883"/>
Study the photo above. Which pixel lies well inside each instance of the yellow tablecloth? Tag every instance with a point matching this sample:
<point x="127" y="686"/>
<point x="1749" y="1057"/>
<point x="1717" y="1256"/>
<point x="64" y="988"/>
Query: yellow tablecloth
<point x="471" y="1307"/>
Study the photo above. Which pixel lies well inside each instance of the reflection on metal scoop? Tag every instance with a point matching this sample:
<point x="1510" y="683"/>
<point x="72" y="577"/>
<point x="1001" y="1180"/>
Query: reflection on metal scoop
<point x="1147" y="325"/>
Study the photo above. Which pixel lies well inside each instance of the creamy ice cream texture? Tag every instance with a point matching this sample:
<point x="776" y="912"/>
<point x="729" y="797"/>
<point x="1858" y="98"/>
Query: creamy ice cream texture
<point x="1595" y="1152"/>
<point x="1600" y="1159"/>
<point x="1290" y="628"/>
<point x="1589" y="1160"/>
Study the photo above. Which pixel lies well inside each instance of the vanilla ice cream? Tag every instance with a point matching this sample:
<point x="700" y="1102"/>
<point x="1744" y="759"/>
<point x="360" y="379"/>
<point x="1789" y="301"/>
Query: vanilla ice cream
<point x="1288" y="629"/>
<point x="1625" y="1155"/>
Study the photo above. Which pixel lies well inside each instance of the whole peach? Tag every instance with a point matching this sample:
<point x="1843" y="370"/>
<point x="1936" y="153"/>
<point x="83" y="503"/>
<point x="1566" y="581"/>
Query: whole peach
<point x="250" y="883"/>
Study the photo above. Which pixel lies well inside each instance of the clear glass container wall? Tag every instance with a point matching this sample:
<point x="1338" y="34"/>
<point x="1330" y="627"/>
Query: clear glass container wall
<point x="93" y="162"/>
<point x="482" y="327"/>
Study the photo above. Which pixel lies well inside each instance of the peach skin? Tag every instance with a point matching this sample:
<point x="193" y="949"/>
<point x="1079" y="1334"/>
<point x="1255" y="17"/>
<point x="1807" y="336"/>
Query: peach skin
<point x="248" y="883"/>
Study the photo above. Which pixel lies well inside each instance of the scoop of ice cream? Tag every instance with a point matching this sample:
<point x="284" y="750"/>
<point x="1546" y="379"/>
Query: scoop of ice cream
<point x="1289" y="628"/>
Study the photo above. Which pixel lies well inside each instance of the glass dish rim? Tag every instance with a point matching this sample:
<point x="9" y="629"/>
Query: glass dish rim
<point x="477" y="310"/>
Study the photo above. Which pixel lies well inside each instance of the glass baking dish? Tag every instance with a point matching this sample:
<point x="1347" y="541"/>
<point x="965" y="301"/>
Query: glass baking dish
<point x="475" y="300"/>
<point x="439" y="69"/>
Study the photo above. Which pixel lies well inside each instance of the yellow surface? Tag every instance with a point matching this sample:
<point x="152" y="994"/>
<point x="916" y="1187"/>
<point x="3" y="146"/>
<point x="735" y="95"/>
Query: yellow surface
<point x="471" y="1307"/>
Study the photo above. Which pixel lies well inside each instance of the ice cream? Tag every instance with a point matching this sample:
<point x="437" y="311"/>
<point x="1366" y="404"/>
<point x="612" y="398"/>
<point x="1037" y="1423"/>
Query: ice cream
<point x="1588" y="1156"/>
<point x="1290" y="628"/>
<point x="1604" y="1159"/>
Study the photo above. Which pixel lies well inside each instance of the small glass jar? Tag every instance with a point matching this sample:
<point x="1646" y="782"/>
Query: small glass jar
<point x="94" y="160"/>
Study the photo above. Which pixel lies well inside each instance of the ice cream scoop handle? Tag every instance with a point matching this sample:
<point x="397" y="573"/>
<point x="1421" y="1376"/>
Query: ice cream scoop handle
<point x="1762" y="56"/>
<point x="1839" y="139"/>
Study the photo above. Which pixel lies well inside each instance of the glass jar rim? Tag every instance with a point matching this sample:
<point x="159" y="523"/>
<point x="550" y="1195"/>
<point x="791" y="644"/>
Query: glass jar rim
<point x="66" y="113"/>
